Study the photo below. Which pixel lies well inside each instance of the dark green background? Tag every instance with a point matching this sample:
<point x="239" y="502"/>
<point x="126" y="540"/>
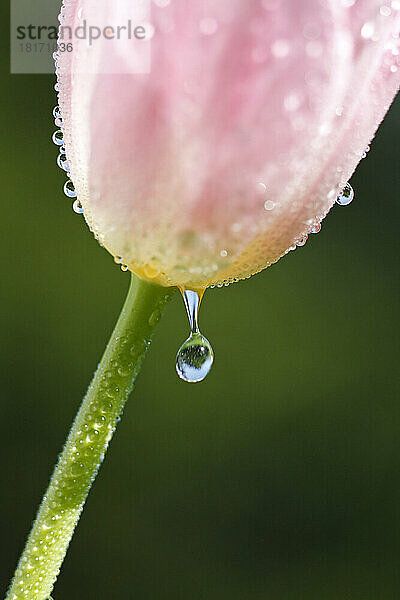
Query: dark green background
<point x="276" y="479"/>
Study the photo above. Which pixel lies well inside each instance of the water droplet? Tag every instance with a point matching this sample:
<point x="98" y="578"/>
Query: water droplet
<point x="316" y="228"/>
<point x="302" y="242"/>
<point x="69" y="189"/>
<point x="58" y="122"/>
<point x="195" y="357"/>
<point x="367" y="30"/>
<point x="124" y="268"/>
<point x="77" y="207"/>
<point x="269" y="205"/>
<point x="57" y="112"/>
<point x="208" y="26"/>
<point x="62" y="162"/>
<point x="385" y="11"/>
<point x="346" y="196"/>
<point x="58" y="138"/>
<point x="154" y="318"/>
<point x="280" y="48"/>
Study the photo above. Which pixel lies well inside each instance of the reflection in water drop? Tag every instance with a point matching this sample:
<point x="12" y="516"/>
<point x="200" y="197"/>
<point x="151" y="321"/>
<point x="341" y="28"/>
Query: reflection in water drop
<point x="346" y="196"/>
<point x="77" y="207"/>
<point x="63" y="162"/>
<point x="69" y="189"/>
<point x="58" y="138"/>
<point x="195" y="357"/>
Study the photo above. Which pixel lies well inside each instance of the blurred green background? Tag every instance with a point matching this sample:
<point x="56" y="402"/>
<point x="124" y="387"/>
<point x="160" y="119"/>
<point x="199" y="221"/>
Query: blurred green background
<point x="276" y="479"/>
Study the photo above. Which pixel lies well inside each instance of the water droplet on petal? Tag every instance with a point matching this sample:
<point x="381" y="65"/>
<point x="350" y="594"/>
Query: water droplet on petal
<point x="69" y="189"/>
<point x="346" y="196"/>
<point x="316" y="228"/>
<point x="57" y="112"/>
<point x="269" y="205"/>
<point x="58" y="138"/>
<point x="208" y="26"/>
<point x="62" y="162"/>
<point x="124" y="268"/>
<point x="77" y="207"/>
<point x="302" y="242"/>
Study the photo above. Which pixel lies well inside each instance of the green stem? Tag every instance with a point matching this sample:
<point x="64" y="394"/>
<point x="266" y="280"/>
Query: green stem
<point x="87" y="442"/>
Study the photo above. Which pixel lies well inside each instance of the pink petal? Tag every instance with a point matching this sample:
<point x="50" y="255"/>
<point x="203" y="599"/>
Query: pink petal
<point x="253" y="116"/>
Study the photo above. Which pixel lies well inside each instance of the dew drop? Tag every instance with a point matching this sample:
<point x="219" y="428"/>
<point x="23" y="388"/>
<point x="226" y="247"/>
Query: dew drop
<point x="302" y="242"/>
<point x="69" y="189"/>
<point x="62" y="162"/>
<point x="195" y="357"/>
<point x="316" y="228"/>
<point x="57" y="112"/>
<point x="208" y="26"/>
<point x="58" y="138"/>
<point x="346" y="196"/>
<point x="77" y="207"/>
<point x="124" y="268"/>
<point x="269" y="205"/>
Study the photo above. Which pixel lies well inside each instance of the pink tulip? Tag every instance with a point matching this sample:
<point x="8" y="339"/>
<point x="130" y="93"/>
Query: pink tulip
<point x="235" y="145"/>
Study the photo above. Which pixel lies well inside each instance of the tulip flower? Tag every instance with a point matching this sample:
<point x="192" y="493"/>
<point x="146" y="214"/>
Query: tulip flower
<point x="200" y="153"/>
<point x="236" y="144"/>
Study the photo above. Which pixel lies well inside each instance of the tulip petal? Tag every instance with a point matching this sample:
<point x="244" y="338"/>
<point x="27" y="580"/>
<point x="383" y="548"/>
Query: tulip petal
<point x="236" y="142"/>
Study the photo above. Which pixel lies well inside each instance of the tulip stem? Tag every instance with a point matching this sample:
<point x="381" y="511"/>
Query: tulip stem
<point x="87" y="442"/>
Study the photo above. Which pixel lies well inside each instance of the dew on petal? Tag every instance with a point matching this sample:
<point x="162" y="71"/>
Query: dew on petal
<point x="63" y="162"/>
<point x="69" y="189"/>
<point x="346" y="196"/>
<point x="367" y="30"/>
<point x="77" y="207"/>
<point x="208" y="26"/>
<point x="269" y="205"/>
<point x="385" y="11"/>
<point x="58" y="138"/>
<point x="280" y="48"/>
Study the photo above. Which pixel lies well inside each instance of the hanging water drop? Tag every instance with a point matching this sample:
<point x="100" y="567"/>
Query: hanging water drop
<point x="346" y="196"/>
<point x="69" y="189"/>
<point x="195" y="357"/>
<point x="57" y="112"/>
